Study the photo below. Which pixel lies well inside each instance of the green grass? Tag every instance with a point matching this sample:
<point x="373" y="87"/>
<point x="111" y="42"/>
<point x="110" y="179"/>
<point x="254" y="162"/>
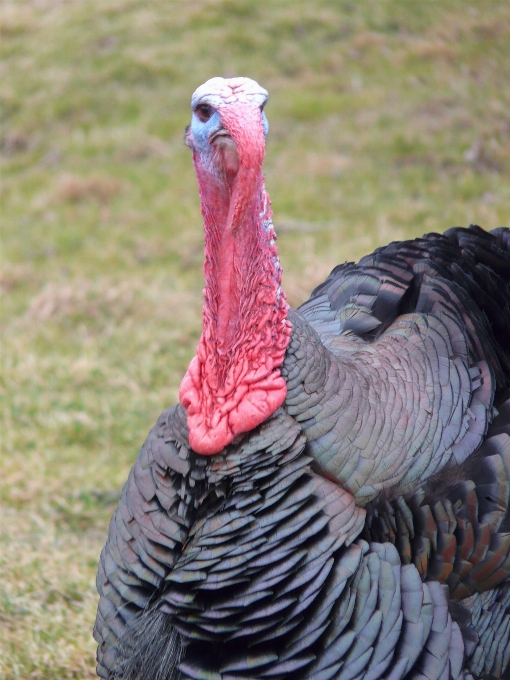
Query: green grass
<point x="387" y="119"/>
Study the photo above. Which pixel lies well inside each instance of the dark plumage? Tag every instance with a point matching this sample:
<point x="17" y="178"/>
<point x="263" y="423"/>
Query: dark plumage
<point x="362" y="531"/>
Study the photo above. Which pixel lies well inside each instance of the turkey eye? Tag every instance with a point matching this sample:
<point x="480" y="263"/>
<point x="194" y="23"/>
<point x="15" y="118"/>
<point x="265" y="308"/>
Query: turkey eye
<point x="204" y="112"/>
<point x="262" y="106"/>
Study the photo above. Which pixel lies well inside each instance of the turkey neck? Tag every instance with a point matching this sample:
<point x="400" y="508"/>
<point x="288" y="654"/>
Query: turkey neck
<point x="241" y="270"/>
<point x="234" y="382"/>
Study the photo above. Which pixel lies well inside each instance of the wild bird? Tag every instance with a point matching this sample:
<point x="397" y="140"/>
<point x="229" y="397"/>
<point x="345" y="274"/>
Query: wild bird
<point x="330" y="499"/>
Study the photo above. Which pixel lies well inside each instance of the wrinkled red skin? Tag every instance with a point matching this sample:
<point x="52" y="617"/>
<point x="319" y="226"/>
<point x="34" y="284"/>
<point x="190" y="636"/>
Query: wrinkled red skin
<point x="234" y="382"/>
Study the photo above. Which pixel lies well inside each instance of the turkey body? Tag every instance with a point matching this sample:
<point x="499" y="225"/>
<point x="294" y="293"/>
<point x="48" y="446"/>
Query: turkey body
<point x="362" y="530"/>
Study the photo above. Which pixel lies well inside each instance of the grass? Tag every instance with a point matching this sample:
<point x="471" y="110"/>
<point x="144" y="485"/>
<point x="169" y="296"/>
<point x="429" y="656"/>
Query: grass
<point x="388" y="119"/>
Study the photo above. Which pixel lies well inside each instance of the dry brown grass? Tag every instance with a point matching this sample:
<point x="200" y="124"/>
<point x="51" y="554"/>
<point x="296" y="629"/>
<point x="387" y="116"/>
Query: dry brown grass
<point x="73" y="188"/>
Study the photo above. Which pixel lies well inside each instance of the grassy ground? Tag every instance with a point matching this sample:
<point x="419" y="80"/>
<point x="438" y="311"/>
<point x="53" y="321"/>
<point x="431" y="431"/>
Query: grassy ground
<point x="388" y="119"/>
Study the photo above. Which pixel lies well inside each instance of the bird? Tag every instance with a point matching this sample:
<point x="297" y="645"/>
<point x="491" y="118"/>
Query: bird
<point x="330" y="497"/>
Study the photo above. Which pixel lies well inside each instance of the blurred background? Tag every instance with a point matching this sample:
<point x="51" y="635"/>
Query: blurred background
<point x="388" y="119"/>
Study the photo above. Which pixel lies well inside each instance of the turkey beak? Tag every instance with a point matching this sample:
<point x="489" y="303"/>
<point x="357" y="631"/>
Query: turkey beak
<point x="223" y="143"/>
<point x="219" y="133"/>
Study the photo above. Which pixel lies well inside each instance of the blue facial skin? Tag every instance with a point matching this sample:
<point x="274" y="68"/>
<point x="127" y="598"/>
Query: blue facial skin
<point x="202" y="131"/>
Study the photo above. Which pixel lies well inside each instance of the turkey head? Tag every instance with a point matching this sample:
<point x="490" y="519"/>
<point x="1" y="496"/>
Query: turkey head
<point x="234" y="382"/>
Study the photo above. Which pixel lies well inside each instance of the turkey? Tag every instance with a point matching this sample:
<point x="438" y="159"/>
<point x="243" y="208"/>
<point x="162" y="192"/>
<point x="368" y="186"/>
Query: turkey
<point x="330" y="498"/>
